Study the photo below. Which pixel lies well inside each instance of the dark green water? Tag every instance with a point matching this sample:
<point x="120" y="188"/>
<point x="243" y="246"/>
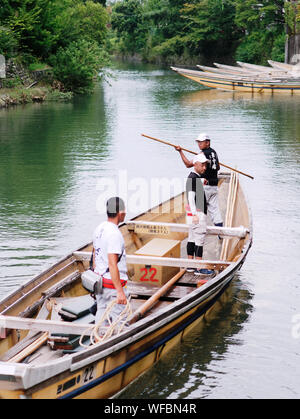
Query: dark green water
<point x="58" y="162"/>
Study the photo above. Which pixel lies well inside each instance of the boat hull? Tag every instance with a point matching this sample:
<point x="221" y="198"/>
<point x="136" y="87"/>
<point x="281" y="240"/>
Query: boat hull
<point x="96" y="376"/>
<point x="241" y="85"/>
<point x="105" y="369"/>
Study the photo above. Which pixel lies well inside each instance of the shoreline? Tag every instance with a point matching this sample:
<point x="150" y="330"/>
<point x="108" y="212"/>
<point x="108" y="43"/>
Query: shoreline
<point x="23" y="95"/>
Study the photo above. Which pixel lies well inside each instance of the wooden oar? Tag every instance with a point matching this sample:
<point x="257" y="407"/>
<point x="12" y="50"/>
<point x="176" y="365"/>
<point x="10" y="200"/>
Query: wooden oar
<point x="193" y="152"/>
<point x="140" y="312"/>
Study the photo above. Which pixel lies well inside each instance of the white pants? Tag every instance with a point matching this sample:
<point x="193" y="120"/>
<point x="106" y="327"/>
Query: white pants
<point x="104" y="299"/>
<point x="197" y="231"/>
<point x="211" y="194"/>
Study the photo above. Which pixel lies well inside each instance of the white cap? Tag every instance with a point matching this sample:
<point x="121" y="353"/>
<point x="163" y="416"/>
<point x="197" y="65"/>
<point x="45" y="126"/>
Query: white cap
<point x="203" y="137"/>
<point x="200" y="158"/>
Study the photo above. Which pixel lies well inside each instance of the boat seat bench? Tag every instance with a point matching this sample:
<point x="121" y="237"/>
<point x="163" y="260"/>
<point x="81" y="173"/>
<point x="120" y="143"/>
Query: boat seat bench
<point x="164" y="261"/>
<point x="146" y="227"/>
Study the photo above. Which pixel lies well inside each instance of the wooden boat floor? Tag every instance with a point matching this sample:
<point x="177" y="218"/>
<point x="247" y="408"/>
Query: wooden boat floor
<point x="140" y="293"/>
<point x="146" y="291"/>
<point x="43" y="355"/>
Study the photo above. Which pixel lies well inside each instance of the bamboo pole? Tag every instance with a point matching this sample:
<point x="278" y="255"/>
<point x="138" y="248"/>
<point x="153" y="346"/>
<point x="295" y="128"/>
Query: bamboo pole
<point x="193" y="152"/>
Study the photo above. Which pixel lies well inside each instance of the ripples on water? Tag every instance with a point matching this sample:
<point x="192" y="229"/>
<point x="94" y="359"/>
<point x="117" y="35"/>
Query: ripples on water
<point x="53" y="157"/>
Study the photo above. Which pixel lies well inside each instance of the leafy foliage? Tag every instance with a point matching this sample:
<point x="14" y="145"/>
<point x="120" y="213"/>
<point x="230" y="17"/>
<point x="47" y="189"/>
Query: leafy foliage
<point x="167" y="28"/>
<point x="76" y="65"/>
<point x="47" y="30"/>
<point x="73" y="35"/>
<point x="127" y="21"/>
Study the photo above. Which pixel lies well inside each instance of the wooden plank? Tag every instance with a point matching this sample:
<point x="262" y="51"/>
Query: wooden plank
<point x="11" y="322"/>
<point x="29" y="339"/>
<point x="163" y="261"/>
<point x="42" y="314"/>
<point x="37" y="343"/>
<point x="51" y="292"/>
<point x="189" y="279"/>
<point x="176" y="262"/>
<point x="14" y="350"/>
<point x="174" y="293"/>
<point x="156" y="227"/>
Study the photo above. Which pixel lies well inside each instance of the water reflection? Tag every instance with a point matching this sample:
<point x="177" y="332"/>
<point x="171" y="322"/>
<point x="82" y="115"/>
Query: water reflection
<point x="197" y="361"/>
<point x="52" y="157"/>
<point x="44" y="152"/>
<point x="47" y="151"/>
<point x="283" y="111"/>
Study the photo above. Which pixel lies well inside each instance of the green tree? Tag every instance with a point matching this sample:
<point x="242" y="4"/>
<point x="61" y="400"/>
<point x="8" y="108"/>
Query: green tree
<point x="210" y="25"/>
<point x="34" y="23"/>
<point x="80" y="20"/>
<point x="263" y="25"/>
<point x="127" y="22"/>
<point x="163" y="26"/>
<point x="53" y="30"/>
<point x="8" y="42"/>
<point x="77" y="65"/>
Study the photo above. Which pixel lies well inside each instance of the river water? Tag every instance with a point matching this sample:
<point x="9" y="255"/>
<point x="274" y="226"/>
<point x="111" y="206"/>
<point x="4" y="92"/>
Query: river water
<point x="58" y="161"/>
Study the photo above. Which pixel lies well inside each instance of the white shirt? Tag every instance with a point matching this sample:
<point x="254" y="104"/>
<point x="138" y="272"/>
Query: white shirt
<point x="108" y="239"/>
<point x="192" y="199"/>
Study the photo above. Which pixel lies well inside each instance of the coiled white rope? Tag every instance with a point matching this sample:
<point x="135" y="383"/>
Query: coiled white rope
<point x="115" y="327"/>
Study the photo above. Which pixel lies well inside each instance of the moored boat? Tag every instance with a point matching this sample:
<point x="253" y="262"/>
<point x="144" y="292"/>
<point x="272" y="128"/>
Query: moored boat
<point x="281" y="66"/>
<point x="46" y="329"/>
<point x="272" y="83"/>
<point x="253" y="67"/>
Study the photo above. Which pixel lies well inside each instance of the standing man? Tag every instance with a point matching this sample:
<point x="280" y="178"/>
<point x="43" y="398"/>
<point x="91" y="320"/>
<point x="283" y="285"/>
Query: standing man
<point x="196" y="216"/>
<point x="210" y="177"/>
<point x="109" y="260"/>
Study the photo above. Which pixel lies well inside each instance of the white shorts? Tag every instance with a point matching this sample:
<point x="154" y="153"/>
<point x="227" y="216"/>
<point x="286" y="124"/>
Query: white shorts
<point x="197" y="232"/>
<point x="211" y="194"/>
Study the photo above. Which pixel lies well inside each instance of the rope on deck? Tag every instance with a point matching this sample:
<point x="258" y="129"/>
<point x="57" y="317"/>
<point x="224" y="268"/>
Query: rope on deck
<point x="115" y="327"/>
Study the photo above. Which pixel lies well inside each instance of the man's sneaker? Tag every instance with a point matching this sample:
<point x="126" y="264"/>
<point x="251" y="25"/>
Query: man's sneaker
<point x="190" y="269"/>
<point x="203" y="272"/>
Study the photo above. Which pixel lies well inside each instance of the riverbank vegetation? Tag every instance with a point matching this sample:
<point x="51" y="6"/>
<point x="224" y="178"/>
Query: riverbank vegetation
<point x="186" y="31"/>
<point x="64" y="43"/>
<point x="61" y="42"/>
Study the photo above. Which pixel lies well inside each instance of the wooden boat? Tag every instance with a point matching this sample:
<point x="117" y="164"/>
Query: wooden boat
<point x="264" y="83"/>
<point x="41" y="355"/>
<point x="244" y="74"/>
<point x="234" y="69"/>
<point x="254" y="67"/>
<point x="281" y="66"/>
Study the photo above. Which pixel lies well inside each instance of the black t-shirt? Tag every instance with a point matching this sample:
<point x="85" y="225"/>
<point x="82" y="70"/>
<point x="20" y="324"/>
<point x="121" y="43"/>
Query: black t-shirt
<point x="213" y="166"/>
<point x="194" y="183"/>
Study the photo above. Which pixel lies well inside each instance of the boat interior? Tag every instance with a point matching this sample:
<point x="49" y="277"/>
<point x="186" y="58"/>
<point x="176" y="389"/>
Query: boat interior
<point x="156" y="250"/>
